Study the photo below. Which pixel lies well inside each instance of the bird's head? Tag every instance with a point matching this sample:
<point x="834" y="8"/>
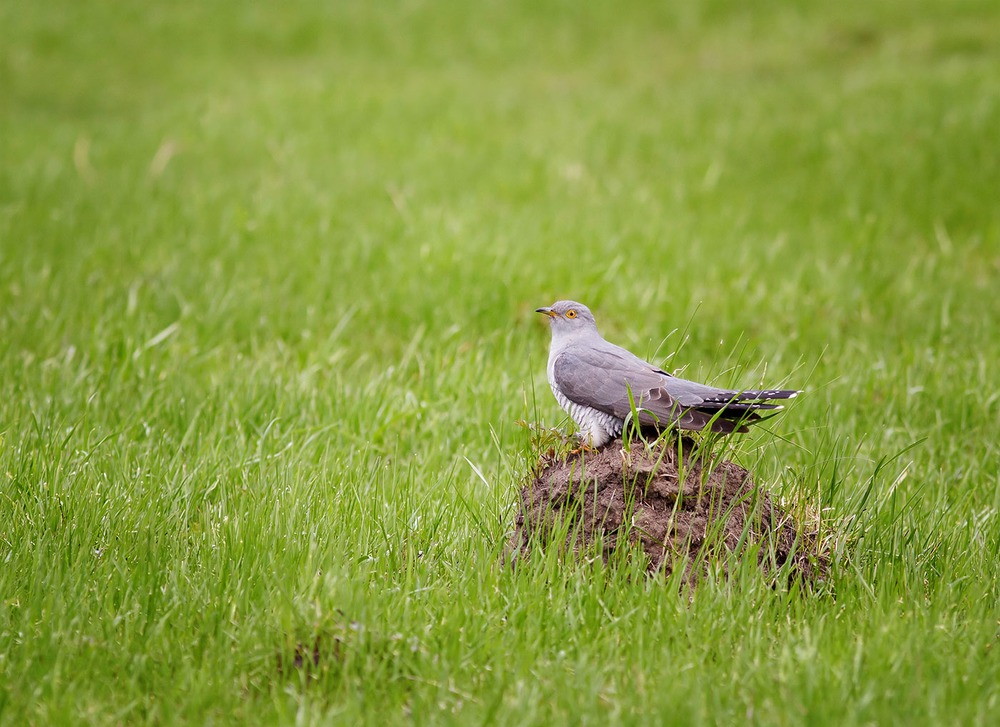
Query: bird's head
<point x="567" y="317"/>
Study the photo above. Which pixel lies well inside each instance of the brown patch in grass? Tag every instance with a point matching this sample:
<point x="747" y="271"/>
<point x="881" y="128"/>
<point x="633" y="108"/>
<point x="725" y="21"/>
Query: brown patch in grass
<point x="681" y="510"/>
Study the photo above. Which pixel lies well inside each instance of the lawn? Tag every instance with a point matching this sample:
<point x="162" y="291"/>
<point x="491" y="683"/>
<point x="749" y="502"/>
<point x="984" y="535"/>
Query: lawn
<point x="267" y="281"/>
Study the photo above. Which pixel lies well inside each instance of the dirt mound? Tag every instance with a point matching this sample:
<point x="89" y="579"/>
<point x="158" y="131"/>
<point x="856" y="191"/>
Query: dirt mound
<point x="683" y="510"/>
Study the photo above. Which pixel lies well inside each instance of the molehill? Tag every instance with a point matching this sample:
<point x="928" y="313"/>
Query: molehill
<point x="681" y="508"/>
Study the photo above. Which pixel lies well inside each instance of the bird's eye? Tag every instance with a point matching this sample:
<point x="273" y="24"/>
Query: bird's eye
<point x="571" y="313"/>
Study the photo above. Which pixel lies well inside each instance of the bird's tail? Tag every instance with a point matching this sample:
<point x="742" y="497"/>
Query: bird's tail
<point x="732" y="411"/>
<point x="751" y="398"/>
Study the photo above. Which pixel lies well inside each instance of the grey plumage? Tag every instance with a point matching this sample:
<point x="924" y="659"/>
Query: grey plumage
<point x="591" y="379"/>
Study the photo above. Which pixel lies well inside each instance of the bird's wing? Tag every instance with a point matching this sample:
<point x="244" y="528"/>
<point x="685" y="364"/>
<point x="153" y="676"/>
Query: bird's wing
<point x="601" y="378"/>
<point x="600" y="375"/>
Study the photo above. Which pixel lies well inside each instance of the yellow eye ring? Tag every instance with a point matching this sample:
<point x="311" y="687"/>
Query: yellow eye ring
<point x="571" y="313"/>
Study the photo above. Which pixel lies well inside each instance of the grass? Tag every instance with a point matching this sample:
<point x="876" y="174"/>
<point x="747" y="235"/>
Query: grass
<point x="266" y="287"/>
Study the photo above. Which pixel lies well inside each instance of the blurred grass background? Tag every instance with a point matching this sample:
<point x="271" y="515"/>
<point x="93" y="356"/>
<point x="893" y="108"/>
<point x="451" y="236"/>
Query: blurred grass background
<point x="267" y="275"/>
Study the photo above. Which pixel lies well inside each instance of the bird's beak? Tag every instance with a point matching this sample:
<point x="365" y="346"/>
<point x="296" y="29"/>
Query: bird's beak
<point x="547" y="311"/>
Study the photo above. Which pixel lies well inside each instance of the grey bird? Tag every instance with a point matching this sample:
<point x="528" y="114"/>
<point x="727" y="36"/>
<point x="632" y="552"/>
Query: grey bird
<point x="591" y="380"/>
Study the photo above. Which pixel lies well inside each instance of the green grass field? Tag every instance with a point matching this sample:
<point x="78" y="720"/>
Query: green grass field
<point x="267" y="275"/>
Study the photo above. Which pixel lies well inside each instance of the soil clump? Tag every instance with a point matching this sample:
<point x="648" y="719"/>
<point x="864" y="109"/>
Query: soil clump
<point x="682" y="509"/>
